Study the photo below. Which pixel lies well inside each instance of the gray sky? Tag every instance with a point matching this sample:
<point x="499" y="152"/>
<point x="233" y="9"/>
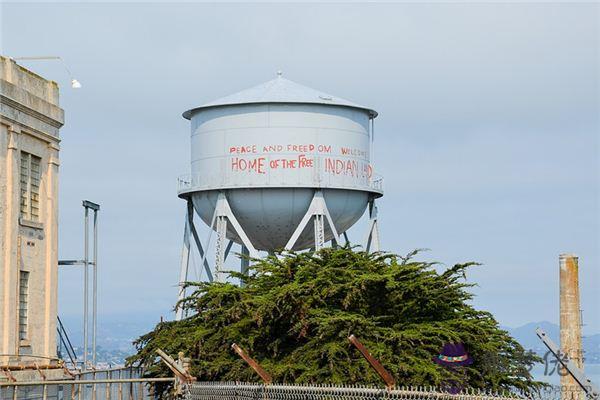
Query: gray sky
<point x="487" y="133"/>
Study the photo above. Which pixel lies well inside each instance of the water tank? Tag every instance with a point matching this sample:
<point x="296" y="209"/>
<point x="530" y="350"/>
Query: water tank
<point x="269" y="149"/>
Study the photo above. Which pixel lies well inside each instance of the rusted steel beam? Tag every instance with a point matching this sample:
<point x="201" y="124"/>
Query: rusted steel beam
<point x="389" y="380"/>
<point x="251" y="362"/>
<point x="27" y="367"/>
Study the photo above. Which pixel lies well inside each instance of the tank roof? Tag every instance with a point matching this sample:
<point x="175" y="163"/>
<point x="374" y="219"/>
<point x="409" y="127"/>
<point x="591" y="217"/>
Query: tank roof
<point x="280" y="90"/>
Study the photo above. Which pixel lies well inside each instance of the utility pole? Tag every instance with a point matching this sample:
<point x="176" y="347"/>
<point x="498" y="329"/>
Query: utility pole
<point x="88" y="205"/>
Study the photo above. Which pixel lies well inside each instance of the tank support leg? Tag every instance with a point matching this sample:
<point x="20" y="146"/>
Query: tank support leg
<point x="319" y="232"/>
<point x="228" y="249"/>
<point x="244" y="261"/>
<point x="372" y="241"/>
<point x="190" y="215"/>
<point x="318" y="210"/>
<point x="189" y="230"/>
<point x="183" y="272"/>
<point x="220" y="248"/>
<point x="221" y="217"/>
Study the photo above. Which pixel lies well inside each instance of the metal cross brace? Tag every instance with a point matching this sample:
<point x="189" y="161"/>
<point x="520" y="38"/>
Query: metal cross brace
<point x="586" y="384"/>
<point x="318" y="210"/>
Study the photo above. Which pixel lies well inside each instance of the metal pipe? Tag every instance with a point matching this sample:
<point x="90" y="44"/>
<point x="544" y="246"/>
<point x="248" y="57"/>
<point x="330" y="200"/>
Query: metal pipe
<point x="85" y="288"/>
<point x="95" y="290"/>
<point x="264" y="375"/>
<point x="573" y="370"/>
<point x="389" y="380"/>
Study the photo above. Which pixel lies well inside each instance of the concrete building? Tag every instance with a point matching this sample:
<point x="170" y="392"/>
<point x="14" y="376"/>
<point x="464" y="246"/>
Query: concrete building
<point x="30" y="119"/>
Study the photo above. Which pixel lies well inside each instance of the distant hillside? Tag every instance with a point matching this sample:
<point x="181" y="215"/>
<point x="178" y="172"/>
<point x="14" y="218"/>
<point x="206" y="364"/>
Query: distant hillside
<point x="114" y="332"/>
<point x="526" y="336"/>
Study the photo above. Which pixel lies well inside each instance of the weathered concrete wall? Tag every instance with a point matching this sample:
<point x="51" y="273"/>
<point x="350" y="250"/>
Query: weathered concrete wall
<point x="30" y="118"/>
<point x="570" y="319"/>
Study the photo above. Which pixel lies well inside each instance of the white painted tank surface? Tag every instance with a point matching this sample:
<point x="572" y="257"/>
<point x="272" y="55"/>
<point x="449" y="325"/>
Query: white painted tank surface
<point x="269" y="148"/>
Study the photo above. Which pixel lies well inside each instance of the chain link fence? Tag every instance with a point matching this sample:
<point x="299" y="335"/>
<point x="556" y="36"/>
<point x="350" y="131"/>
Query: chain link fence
<point x="250" y="391"/>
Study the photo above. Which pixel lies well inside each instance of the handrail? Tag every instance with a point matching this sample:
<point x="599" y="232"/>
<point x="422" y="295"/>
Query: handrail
<point x="85" y="382"/>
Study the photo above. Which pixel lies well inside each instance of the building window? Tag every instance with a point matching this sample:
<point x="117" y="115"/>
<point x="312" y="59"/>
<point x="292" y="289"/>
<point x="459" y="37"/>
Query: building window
<point x="23" y="300"/>
<point x="30" y="186"/>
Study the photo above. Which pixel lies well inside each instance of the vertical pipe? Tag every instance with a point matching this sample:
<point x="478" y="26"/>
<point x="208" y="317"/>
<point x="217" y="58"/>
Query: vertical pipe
<point x="85" y="289"/>
<point x="570" y="321"/>
<point x="95" y="290"/>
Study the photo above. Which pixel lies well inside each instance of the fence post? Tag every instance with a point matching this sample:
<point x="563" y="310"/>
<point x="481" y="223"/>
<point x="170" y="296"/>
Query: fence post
<point x="94" y="385"/>
<point x="108" y="385"/>
<point x="120" y="386"/>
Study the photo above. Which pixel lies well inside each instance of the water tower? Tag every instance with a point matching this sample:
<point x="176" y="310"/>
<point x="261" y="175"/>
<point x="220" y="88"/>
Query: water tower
<point x="278" y="166"/>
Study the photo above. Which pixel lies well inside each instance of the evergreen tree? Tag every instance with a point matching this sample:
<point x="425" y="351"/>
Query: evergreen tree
<point x="295" y="311"/>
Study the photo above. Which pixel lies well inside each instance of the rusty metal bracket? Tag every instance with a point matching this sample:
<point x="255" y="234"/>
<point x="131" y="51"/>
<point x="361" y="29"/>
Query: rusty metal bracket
<point x="8" y="374"/>
<point x="68" y="372"/>
<point x="251" y="362"/>
<point x="37" y="367"/>
<point x="177" y="369"/>
<point x="389" y="380"/>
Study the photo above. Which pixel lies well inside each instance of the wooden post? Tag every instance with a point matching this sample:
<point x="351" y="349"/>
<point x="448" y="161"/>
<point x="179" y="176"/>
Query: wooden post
<point x="251" y="362"/>
<point x="390" y="382"/>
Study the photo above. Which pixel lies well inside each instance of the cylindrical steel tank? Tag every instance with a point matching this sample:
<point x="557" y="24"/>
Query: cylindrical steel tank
<point x="269" y="148"/>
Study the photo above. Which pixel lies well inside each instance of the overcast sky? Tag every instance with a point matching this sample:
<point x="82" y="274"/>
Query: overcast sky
<point x="487" y="134"/>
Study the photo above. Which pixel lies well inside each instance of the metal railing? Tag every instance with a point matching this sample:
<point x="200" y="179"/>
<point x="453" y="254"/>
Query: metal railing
<point x="64" y="343"/>
<point x="113" y="384"/>
<point x="315" y="176"/>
